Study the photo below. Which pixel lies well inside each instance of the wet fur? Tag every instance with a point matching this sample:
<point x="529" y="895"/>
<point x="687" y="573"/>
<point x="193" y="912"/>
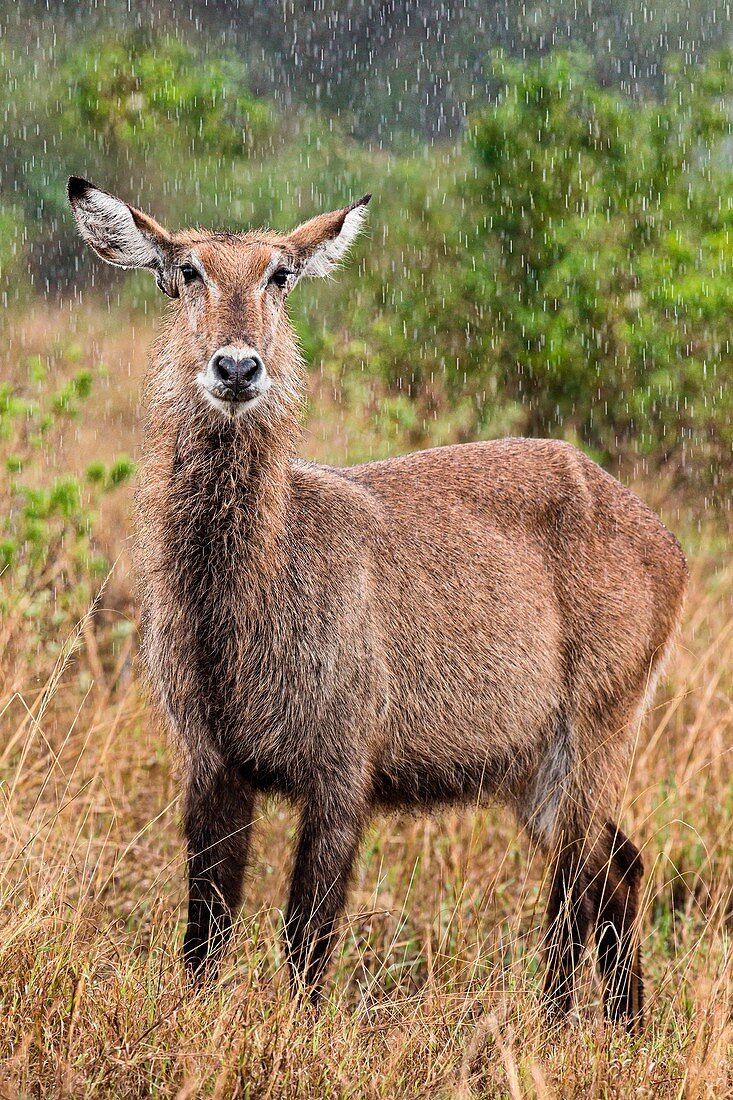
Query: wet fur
<point x="466" y="623"/>
<point x="470" y="622"/>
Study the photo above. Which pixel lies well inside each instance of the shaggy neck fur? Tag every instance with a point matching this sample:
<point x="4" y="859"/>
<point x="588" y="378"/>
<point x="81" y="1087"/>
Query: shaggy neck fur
<point x="213" y="510"/>
<point x="216" y="487"/>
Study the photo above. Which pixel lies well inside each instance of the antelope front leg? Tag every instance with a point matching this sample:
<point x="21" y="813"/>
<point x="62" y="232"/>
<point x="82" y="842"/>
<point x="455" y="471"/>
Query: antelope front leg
<point x="217" y="826"/>
<point x="328" y="846"/>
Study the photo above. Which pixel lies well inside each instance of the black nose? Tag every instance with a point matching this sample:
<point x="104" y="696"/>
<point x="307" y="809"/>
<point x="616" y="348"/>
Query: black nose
<point x="237" y="374"/>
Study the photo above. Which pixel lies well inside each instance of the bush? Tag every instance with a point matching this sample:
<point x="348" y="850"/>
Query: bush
<point x="50" y="565"/>
<point x="144" y="106"/>
<point x="572" y="278"/>
<point x="612" y="235"/>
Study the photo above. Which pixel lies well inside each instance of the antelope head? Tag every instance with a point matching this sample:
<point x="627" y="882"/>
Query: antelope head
<point x="236" y="350"/>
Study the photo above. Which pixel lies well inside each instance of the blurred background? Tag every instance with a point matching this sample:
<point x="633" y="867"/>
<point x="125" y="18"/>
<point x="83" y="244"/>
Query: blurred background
<point x="550" y="242"/>
<point x="549" y="252"/>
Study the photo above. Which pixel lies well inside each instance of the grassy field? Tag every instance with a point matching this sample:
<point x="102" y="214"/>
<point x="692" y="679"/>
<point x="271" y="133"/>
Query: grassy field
<point x="436" y="981"/>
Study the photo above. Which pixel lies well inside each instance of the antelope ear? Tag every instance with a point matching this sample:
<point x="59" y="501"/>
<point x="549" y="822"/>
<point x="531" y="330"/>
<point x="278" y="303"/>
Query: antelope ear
<point x="321" y="243"/>
<point x="119" y="233"/>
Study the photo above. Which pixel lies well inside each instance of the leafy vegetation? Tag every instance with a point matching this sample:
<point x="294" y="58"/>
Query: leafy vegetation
<point x="582" y="290"/>
<point x="612" y="222"/>
<point x="562" y="269"/>
<point x="51" y="568"/>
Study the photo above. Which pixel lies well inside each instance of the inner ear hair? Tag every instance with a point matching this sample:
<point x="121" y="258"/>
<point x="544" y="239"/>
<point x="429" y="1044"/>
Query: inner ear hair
<point x="323" y="241"/>
<point x="119" y="233"/>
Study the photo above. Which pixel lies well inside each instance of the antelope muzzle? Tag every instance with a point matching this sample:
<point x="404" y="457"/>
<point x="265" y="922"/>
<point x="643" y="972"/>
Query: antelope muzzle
<point x="235" y="375"/>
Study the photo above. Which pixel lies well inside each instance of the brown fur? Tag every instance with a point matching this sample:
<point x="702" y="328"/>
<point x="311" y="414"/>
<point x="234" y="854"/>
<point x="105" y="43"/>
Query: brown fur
<point x="477" y="621"/>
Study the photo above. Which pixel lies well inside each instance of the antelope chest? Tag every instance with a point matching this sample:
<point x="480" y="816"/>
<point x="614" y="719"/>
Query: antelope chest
<point x="276" y="698"/>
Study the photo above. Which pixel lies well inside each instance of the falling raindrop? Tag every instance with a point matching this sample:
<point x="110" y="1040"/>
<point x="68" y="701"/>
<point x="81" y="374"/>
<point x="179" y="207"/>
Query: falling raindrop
<point x="549" y="252"/>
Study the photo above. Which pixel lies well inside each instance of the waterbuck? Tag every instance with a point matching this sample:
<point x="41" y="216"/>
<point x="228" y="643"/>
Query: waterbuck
<point x="472" y="622"/>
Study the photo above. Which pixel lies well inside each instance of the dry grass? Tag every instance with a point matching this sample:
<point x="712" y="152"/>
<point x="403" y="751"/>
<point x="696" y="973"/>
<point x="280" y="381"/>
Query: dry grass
<point x="435" y="990"/>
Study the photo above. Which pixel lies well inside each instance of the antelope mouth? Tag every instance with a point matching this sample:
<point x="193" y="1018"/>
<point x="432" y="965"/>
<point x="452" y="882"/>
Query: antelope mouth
<point x="231" y="402"/>
<point x="242" y="395"/>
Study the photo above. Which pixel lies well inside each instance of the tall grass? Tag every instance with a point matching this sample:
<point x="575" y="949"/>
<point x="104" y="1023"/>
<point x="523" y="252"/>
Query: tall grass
<point x="435" y="986"/>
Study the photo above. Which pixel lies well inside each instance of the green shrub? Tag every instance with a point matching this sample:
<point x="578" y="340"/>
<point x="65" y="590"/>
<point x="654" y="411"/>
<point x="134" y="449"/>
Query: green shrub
<point x="573" y="277"/>
<point x="50" y="563"/>
<point x="612" y="220"/>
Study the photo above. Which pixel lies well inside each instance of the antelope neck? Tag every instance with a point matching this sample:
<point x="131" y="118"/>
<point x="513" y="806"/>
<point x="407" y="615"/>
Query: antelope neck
<point x="230" y="482"/>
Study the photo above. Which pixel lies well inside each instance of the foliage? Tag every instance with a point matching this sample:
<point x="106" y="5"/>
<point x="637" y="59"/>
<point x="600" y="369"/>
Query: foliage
<point x="138" y="93"/>
<point x="612" y="223"/>
<point x="50" y="564"/>
<point x="143" y="106"/>
<point x="576" y="282"/>
<point x="563" y="269"/>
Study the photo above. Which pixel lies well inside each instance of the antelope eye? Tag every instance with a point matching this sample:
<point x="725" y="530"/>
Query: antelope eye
<point x="280" y="277"/>
<point x="189" y="272"/>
